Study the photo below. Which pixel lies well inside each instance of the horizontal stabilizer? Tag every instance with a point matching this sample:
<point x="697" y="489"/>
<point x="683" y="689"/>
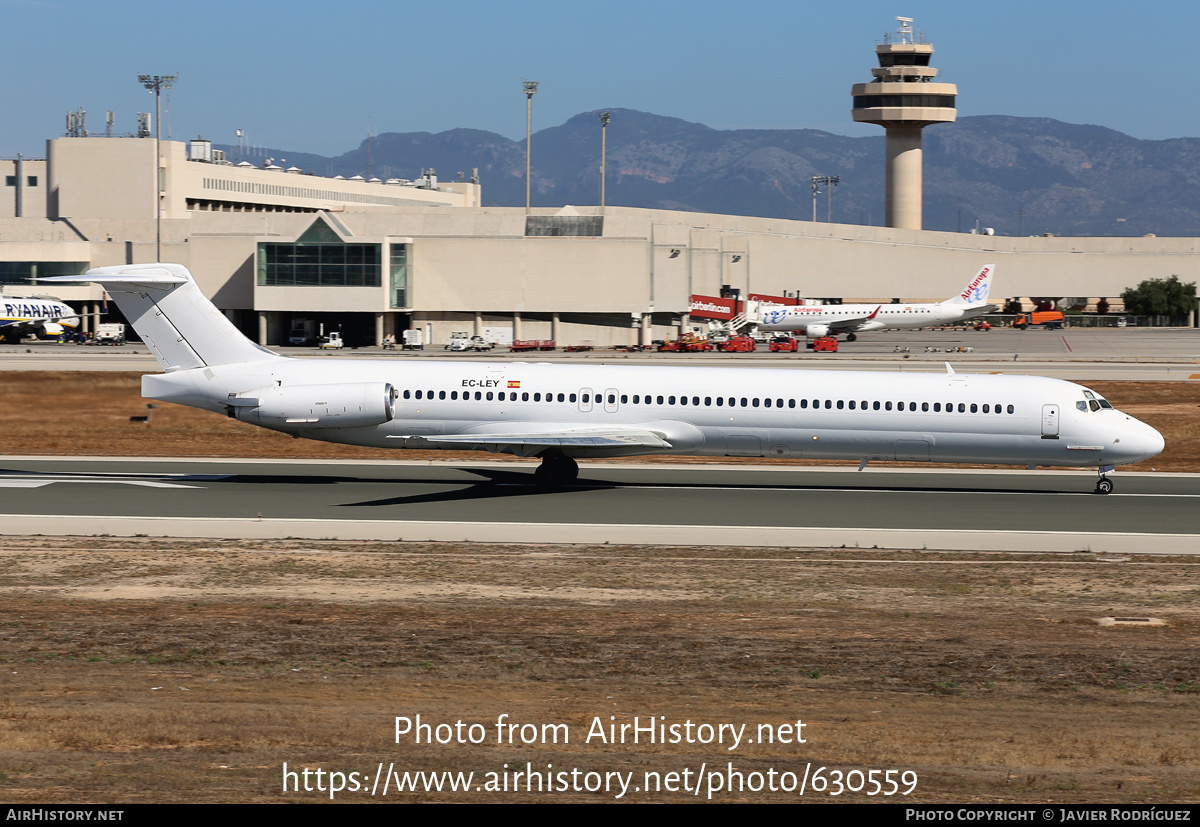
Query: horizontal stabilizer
<point x="182" y="328"/>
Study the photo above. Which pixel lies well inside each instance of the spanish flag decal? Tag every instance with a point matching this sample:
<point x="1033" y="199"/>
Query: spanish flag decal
<point x="514" y="383"/>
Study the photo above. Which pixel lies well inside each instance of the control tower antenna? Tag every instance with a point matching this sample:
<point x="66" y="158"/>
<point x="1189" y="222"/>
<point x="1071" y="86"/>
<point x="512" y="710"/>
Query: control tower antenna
<point x="903" y="99"/>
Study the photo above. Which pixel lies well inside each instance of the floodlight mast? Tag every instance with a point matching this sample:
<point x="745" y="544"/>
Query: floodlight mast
<point x="605" y="117"/>
<point x="530" y="90"/>
<point x="157" y="83"/>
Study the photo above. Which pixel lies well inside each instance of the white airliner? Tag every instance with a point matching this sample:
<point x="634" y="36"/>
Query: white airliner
<point x="563" y="412"/>
<point x="816" y="321"/>
<point x="36" y="315"/>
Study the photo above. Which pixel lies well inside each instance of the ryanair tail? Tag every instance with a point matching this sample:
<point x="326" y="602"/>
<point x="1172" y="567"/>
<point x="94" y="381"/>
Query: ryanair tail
<point x="182" y="328"/>
<point x="976" y="291"/>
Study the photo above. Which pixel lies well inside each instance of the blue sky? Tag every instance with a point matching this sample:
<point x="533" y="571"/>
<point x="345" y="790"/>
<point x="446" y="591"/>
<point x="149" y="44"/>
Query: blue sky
<point x="317" y="77"/>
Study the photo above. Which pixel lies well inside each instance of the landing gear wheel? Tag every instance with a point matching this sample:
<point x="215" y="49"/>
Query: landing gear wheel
<point x="556" y="471"/>
<point x="1104" y="486"/>
<point x="851" y="337"/>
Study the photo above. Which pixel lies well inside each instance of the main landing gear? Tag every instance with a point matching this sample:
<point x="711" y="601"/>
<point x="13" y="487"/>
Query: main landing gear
<point x="1104" y="485"/>
<point x="851" y="337"/>
<point x="556" y="470"/>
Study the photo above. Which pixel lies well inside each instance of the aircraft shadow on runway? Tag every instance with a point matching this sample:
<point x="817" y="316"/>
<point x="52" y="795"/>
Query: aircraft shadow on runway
<point x="500" y="483"/>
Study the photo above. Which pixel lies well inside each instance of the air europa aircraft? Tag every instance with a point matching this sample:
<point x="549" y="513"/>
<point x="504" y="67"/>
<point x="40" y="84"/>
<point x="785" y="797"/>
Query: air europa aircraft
<point x="851" y="319"/>
<point x="564" y="412"/>
<point x="20" y="316"/>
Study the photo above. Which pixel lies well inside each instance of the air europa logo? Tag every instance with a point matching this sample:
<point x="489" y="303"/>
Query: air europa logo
<point x="969" y="293"/>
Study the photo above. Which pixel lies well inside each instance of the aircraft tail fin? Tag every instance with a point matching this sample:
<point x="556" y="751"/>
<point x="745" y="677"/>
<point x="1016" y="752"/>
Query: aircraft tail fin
<point x="976" y="291"/>
<point x="182" y="328"/>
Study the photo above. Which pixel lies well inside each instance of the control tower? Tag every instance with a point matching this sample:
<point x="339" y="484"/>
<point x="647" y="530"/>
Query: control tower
<point x="903" y="99"/>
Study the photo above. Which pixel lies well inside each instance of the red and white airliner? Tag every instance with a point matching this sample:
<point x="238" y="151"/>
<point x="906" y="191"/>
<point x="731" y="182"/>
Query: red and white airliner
<point x="816" y="321"/>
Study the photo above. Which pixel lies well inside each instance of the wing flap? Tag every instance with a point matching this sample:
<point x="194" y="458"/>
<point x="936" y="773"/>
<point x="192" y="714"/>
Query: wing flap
<point x="618" y="438"/>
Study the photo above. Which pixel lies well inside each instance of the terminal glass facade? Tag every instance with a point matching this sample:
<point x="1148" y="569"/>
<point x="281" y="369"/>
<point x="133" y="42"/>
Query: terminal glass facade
<point x="28" y="272"/>
<point x="398" y="294"/>
<point x="320" y="264"/>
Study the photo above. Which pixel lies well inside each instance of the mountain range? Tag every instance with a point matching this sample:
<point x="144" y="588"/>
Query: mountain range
<point x="1019" y="176"/>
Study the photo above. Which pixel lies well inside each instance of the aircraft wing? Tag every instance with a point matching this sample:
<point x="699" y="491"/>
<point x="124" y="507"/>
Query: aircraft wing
<point x="853" y="323"/>
<point x="26" y="325"/>
<point x="527" y="443"/>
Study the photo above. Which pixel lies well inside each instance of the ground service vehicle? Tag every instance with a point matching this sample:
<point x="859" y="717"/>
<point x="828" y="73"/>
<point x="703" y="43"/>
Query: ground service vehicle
<point x="1049" y="319"/>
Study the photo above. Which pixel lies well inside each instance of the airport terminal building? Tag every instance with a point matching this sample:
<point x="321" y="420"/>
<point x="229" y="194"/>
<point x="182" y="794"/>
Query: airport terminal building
<point x="280" y="248"/>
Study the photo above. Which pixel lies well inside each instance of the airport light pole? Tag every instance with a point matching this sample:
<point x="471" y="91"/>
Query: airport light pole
<point x="830" y="182"/>
<point x="605" y="117"/>
<point x="157" y="83"/>
<point x="530" y="89"/>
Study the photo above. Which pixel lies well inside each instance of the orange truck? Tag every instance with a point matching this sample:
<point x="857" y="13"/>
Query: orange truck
<point x="1049" y="319"/>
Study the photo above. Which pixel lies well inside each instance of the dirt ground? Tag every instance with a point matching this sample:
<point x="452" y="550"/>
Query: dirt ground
<point x="144" y="670"/>
<point x="147" y="671"/>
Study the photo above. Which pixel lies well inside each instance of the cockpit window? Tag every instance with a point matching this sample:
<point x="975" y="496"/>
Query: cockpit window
<point x="1104" y="402"/>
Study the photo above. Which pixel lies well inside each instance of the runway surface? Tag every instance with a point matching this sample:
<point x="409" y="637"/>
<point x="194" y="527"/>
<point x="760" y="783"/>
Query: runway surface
<point x="684" y="504"/>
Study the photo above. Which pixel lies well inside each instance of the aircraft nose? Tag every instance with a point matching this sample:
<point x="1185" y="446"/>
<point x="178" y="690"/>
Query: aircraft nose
<point x="1154" y="442"/>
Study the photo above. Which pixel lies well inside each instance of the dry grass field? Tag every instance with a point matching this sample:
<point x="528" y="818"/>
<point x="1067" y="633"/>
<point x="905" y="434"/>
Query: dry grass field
<point x="139" y="670"/>
<point x="145" y="670"/>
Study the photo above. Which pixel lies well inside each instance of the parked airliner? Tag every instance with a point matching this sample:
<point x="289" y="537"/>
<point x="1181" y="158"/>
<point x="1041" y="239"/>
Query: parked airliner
<point x="563" y="412"/>
<point x="36" y="315"/>
<point x="816" y="321"/>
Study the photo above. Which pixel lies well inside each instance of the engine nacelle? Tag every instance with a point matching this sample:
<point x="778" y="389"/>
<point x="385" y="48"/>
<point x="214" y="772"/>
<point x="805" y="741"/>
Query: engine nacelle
<point x="291" y="407"/>
<point x="816" y="331"/>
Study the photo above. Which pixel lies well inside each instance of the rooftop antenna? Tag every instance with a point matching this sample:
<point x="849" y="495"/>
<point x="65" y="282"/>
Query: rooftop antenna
<point x="108" y="124"/>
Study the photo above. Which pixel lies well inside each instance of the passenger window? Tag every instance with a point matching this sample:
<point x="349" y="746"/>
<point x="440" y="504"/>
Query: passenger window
<point x="828" y="404"/>
<point x="937" y="407"/>
<point x="489" y="396"/>
<point x="841" y="404"/>
<point x="924" y="407"/>
<point x="1011" y="409"/>
<point x="791" y="403"/>
<point x="573" y="397"/>
<point x="478" y="395"/>
<point x="441" y="394"/>
<point x="974" y="408"/>
<point x="406" y="394"/>
<point x="962" y="408"/>
<point x="887" y="405"/>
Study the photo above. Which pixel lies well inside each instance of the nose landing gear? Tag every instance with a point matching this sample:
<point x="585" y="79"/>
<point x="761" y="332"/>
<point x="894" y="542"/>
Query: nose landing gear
<point x="1104" y="485"/>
